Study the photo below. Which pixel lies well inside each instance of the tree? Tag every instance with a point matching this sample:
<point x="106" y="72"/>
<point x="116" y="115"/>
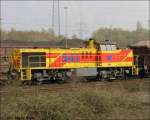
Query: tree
<point x="121" y="36"/>
<point x="51" y="31"/>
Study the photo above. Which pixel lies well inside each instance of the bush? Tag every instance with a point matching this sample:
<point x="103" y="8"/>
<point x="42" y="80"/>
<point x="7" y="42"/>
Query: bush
<point x="99" y="102"/>
<point x="86" y="104"/>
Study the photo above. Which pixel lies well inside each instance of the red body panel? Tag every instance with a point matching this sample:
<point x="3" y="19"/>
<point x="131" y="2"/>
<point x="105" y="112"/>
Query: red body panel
<point x="105" y="57"/>
<point x="122" y="56"/>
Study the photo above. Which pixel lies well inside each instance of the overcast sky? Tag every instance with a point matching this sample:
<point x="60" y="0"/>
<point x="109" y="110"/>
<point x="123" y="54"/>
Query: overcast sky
<point x="34" y="15"/>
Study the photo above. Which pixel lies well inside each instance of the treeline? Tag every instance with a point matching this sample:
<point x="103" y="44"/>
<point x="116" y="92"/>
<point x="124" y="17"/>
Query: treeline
<point x="29" y="36"/>
<point x="121" y="36"/>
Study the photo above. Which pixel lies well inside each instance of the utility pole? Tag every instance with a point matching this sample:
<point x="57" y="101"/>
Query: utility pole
<point x="53" y="16"/>
<point x="56" y="17"/>
<point x="66" y="25"/>
<point x="0" y="23"/>
<point x="149" y="31"/>
<point x="0" y="32"/>
<point x="80" y="23"/>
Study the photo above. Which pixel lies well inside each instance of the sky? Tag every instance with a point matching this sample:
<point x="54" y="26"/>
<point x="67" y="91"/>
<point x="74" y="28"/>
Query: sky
<point x="83" y="17"/>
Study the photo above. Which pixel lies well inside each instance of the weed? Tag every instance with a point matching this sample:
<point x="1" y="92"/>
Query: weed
<point x="86" y="103"/>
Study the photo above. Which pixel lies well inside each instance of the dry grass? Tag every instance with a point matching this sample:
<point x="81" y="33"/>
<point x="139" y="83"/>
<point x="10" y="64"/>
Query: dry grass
<point x="89" y="103"/>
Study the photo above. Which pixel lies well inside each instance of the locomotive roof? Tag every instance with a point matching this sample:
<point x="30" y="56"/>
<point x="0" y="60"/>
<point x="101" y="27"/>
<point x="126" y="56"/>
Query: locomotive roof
<point x="112" y="43"/>
<point x="108" y="42"/>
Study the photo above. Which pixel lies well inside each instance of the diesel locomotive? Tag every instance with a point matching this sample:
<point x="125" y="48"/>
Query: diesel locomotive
<point x="38" y="64"/>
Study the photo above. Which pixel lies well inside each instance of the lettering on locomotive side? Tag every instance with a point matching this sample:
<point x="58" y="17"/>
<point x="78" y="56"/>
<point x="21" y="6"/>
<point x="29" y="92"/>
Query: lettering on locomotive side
<point x="70" y="58"/>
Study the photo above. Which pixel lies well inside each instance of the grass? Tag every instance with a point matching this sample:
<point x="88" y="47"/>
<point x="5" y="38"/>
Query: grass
<point x="80" y="104"/>
<point x="134" y="87"/>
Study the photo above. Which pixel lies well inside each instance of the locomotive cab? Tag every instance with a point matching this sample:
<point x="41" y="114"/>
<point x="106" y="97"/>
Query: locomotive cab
<point x="114" y="62"/>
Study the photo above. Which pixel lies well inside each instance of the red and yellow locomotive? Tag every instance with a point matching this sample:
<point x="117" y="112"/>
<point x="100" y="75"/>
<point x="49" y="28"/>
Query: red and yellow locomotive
<point x="58" y="63"/>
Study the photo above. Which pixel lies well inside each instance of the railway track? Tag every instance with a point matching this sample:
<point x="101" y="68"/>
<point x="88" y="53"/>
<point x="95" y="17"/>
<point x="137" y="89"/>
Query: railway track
<point x="28" y="90"/>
